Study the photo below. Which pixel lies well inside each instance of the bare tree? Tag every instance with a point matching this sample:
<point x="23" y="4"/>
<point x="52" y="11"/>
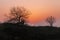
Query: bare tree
<point x="50" y="20"/>
<point x="18" y="14"/>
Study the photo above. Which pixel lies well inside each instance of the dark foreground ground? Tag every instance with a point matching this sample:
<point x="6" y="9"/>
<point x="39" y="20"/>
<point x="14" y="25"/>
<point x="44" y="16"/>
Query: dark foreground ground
<point x="23" y="32"/>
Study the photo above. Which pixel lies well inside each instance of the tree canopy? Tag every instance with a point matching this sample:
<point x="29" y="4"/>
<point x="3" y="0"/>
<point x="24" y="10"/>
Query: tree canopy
<point x="18" y="15"/>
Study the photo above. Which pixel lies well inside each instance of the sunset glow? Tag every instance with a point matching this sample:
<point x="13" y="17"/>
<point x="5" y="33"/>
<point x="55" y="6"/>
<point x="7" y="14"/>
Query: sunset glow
<point x="40" y="9"/>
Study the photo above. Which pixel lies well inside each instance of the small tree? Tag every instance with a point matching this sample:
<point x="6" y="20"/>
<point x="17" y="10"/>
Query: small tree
<point x="50" y="20"/>
<point x="18" y="14"/>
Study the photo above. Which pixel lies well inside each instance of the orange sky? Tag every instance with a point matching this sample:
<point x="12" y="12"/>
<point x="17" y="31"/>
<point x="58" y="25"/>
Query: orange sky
<point x="40" y="9"/>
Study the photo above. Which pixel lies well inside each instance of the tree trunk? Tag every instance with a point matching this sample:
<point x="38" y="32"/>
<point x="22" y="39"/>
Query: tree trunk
<point x="51" y="24"/>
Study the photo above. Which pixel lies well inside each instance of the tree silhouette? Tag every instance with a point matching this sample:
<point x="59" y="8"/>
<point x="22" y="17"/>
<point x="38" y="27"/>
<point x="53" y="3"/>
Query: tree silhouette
<point x="18" y="15"/>
<point x="50" y="20"/>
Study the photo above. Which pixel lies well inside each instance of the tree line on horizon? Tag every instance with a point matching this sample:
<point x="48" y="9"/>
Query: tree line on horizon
<point x="19" y="15"/>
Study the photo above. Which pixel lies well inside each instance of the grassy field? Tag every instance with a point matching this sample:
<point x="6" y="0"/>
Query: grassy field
<point x="23" y="32"/>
